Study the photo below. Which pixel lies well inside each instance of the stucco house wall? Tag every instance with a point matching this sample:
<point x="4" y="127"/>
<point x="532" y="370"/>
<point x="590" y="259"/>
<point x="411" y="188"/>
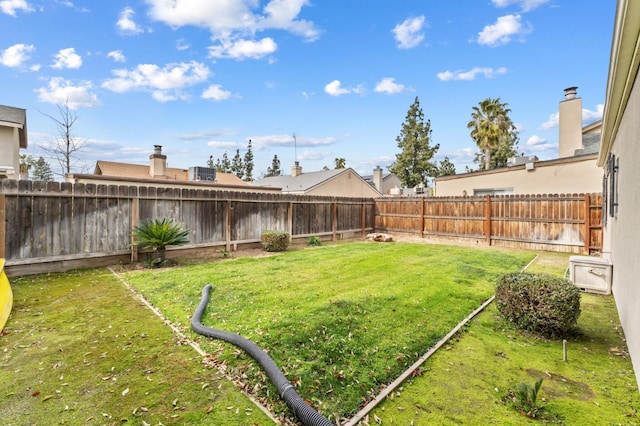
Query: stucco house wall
<point x="561" y="176"/>
<point x="347" y="184"/>
<point x="621" y="137"/>
<point x="13" y="136"/>
<point x="10" y="148"/>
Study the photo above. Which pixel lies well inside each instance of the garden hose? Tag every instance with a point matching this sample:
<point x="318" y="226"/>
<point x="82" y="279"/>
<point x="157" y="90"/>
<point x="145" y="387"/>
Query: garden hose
<point x="303" y="412"/>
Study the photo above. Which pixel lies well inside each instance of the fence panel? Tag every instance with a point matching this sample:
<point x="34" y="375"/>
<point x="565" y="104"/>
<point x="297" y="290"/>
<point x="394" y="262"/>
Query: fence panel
<point x="564" y="222"/>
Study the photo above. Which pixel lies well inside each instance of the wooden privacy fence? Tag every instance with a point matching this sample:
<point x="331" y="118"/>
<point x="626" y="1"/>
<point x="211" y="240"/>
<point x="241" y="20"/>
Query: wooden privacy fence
<point x="565" y="222"/>
<point x="64" y="225"/>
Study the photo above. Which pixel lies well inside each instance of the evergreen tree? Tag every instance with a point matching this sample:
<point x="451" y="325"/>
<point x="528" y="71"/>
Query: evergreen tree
<point x="225" y="165"/>
<point x="413" y="164"/>
<point x="42" y="170"/>
<point x="340" y="162"/>
<point x="248" y="163"/>
<point x="210" y="163"/>
<point x="446" y="168"/>
<point x="237" y="167"/>
<point x="274" y="170"/>
<point x="494" y="133"/>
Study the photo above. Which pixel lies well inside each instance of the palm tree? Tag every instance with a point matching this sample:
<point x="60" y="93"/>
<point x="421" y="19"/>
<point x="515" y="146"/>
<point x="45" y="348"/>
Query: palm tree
<point x="490" y="123"/>
<point x="158" y="234"/>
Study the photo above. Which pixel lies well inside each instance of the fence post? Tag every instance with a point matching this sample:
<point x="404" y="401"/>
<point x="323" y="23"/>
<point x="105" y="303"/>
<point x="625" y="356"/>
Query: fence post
<point x="364" y="217"/>
<point x="422" y="201"/>
<point x="290" y="220"/>
<point x="587" y="224"/>
<point x="135" y="221"/>
<point x="334" y="220"/>
<point x="3" y="232"/>
<point x="487" y="221"/>
<point x="227" y="231"/>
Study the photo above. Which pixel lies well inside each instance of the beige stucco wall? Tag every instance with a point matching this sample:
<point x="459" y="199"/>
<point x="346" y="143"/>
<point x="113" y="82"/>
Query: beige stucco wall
<point x="564" y="176"/>
<point x="390" y="183"/>
<point x="622" y="233"/>
<point x="345" y="185"/>
<point x="10" y="148"/>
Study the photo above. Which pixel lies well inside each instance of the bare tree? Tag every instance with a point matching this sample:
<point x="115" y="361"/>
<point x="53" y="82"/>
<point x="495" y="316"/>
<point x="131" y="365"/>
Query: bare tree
<point x="65" y="145"/>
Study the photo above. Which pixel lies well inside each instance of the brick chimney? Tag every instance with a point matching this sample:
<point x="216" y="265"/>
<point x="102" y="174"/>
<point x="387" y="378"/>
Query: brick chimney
<point x="296" y="170"/>
<point x="158" y="166"/>
<point x="377" y="178"/>
<point x="569" y="123"/>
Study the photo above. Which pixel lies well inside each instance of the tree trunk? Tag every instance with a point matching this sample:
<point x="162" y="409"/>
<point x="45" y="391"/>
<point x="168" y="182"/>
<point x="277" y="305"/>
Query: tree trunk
<point x="487" y="158"/>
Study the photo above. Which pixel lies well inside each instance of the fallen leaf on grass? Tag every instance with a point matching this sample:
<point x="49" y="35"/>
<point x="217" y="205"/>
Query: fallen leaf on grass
<point x="125" y="392"/>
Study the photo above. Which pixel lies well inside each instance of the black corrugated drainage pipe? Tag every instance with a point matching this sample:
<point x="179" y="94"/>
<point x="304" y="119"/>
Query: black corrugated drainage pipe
<point x="306" y="414"/>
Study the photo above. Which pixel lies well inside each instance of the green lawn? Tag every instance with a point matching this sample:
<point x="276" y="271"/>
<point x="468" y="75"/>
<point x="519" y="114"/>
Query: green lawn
<point x="80" y="349"/>
<point x="468" y="381"/>
<point x="341" y="321"/>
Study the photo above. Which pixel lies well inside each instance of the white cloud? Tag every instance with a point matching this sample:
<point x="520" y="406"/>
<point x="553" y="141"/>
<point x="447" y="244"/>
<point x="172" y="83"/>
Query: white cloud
<point x="335" y="89"/>
<point x="67" y="58"/>
<point x="223" y="145"/>
<point x="216" y="93"/>
<point x="10" y="7"/>
<point x="165" y="84"/>
<point x="126" y="23"/>
<point x="16" y="55"/>
<point x="409" y="34"/>
<point x="60" y="91"/>
<point x="243" y="49"/>
<point x="234" y="19"/>
<point x="182" y="44"/>
<point x="308" y="154"/>
<point x="539" y="144"/>
<point x="591" y="116"/>
<point x="389" y="86"/>
<point x="551" y="122"/>
<point x="502" y="31"/>
<point x="281" y="14"/>
<point x="471" y="74"/>
<point x="116" y="55"/>
<point x="525" y="5"/>
<point x="262" y="142"/>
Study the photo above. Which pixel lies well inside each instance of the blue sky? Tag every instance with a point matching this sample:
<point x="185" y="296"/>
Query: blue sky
<point x="201" y="77"/>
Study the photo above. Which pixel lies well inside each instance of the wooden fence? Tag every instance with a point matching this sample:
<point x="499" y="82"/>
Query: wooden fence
<point x="58" y="226"/>
<point x="566" y="222"/>
<point x="46" y="227"/>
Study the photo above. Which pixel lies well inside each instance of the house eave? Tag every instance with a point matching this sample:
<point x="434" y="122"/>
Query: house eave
<point x="623" y="70"/>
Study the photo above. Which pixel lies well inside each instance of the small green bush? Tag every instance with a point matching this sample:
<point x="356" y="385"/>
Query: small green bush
<point x="539" y="303"/>
<point x="275" y="240"/>
<point x="314" y="241"/>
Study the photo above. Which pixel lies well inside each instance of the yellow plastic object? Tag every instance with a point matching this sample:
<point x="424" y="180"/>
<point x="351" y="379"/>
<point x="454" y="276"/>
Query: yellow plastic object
<point x="6" y="296"/>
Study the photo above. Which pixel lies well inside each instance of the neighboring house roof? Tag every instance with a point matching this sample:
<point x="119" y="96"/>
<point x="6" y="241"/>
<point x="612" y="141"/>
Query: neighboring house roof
<point x="140" y="171"/>
<point x="590" y="139"/>
<point x="369" y="178"/>
<point x="307" y="182"/>
<point x="15" y="117"/>
<point x="301" y="183"/>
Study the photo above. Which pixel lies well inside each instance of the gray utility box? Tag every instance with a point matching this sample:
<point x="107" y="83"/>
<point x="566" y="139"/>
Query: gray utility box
<point x="591" y="274"/>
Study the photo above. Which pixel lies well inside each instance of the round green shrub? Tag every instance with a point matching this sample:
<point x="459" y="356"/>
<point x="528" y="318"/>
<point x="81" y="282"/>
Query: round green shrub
<point x="275" y="240"/>
<point x="539" y="303"/>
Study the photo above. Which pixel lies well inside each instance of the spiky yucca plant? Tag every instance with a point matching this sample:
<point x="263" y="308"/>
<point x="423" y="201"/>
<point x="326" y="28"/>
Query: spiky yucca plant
<point x="526" y="396"/>
<point x="158" y="234"/>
